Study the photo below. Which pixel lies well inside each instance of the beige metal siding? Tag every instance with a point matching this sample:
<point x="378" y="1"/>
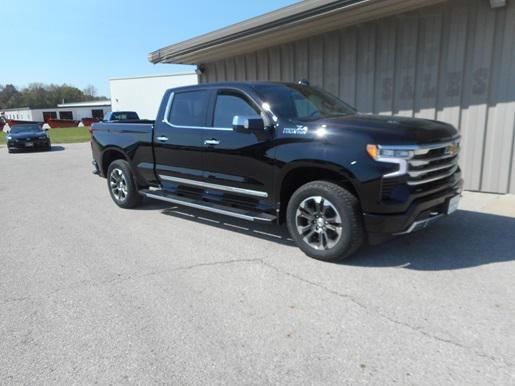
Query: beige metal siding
<point x="454" y="61"/>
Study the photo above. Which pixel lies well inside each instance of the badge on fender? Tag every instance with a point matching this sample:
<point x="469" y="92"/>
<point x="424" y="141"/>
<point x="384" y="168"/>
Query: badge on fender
<point x="299" y="130"/>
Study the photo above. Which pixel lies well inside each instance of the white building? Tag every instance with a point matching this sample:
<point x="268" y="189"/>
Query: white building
<point x="75" y="111"/>
<point x="143" y="93"/>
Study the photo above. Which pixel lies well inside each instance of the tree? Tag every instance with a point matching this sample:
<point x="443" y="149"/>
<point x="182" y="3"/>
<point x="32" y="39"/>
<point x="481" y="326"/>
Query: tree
<point x="90" y="91"/>
<point x="39" y="95"/>
<point x="9" y="96"/>
<point x="65" y="94"/>
<point x="36" y="96"/>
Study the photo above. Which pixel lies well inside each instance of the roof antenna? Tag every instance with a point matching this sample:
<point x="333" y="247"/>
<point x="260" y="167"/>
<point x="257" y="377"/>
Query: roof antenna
<point x="303" y="82"/>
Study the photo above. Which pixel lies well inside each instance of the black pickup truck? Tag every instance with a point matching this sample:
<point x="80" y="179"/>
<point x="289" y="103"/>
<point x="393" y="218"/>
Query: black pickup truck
<point x="287" y="153"/>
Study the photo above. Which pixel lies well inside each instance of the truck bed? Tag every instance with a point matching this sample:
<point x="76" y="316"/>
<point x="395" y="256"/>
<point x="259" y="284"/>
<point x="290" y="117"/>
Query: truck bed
<point x="132" y="133"/>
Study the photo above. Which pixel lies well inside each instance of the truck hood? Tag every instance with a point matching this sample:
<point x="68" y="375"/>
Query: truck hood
<point x="391" y="130"/>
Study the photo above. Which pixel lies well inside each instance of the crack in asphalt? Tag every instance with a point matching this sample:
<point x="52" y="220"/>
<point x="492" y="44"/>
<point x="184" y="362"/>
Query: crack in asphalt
<point x="419" y="330"/>
<point x="119" y="278"/>
<point x="200" y="265"/>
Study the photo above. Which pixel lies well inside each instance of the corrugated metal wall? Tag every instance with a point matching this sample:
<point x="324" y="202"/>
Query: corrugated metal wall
<point x="454" y="61"/>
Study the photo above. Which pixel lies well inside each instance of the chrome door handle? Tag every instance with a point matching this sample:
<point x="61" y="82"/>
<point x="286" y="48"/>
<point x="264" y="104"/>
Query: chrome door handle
<point x="162" y="138"/>
<point x="211" y="141"/>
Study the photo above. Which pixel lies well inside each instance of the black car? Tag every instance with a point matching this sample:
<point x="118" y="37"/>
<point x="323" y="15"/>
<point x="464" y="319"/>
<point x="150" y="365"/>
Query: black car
<point x="27" y="137"/>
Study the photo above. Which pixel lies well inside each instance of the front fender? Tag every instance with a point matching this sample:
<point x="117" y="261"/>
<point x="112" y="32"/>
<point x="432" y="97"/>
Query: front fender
<point x="350" y="161"/>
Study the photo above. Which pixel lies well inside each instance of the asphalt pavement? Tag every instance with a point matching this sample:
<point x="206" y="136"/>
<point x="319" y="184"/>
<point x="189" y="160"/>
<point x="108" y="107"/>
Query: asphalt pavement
<point x="91" y="293"/>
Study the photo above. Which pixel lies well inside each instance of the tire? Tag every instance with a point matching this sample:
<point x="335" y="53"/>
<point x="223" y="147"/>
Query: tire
<point x="121" y="185"/>
<point x="325" y="221"/>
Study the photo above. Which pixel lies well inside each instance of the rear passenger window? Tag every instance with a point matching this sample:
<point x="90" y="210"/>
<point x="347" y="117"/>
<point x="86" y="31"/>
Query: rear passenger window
<point x="189" y="108"/>
<point x="227" y="106"/>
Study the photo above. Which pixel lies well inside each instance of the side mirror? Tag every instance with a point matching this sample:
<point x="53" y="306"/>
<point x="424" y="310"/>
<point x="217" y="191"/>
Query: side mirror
<point x="245" y="124"/>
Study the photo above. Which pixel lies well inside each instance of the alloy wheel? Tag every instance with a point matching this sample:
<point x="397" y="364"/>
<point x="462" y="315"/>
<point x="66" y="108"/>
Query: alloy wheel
<point x="118" y="184"/>
<point x="318" y="222"/>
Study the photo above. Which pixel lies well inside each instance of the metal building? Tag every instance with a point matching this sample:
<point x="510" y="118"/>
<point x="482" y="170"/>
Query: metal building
<point x="67" y="111"/>
<point x="450" y="60"/>
<point x="143" y="94"/>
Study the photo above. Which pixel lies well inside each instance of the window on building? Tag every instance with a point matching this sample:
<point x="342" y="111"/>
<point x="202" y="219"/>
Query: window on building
<point x="49" y="115"/>
<point x="97" y="113"/>
<point x="65" y="115"/>
<point x="189" y="108"/>
<point x="229" y="105"/>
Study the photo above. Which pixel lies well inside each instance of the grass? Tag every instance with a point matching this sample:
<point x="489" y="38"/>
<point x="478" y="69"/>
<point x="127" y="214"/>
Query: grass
<point x="69" y="135"/>
<point x="64" y="135"/>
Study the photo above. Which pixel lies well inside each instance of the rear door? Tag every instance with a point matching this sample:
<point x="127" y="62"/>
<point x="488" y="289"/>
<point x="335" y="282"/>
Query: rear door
<point x="237" y="165"/>
<point x="178" y="138"/>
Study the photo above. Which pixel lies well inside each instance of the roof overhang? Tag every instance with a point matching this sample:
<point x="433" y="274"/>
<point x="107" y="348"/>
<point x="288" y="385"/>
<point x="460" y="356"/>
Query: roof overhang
<point x="96" y="103"/>
<point x="297" y="21"/>
<point x="177" y="74"/>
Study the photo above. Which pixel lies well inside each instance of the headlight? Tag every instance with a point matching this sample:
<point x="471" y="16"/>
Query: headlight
<point x="394" y="155"/>
<point x="9" y="137"/>
<point x="383" y="154"/>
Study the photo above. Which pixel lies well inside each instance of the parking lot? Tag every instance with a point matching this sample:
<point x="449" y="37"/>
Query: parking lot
<point x="93" y="293"/>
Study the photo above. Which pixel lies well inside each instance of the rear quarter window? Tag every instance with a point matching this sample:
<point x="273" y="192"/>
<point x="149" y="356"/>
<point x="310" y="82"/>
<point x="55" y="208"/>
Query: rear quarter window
<point x="189" y="108"/>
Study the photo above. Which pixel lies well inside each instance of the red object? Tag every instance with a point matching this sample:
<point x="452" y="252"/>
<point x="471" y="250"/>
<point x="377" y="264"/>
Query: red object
<point x="12" y="122"/>
<point x="89" y="121"/>
<point x="60" y="123"/>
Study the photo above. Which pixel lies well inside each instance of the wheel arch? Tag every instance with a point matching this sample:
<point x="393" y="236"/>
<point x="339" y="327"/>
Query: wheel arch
<point x="303" y="172"/>
<point x="109" y="155"/>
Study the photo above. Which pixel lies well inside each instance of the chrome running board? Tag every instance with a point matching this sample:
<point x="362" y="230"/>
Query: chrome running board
<point x="208" y="206"/>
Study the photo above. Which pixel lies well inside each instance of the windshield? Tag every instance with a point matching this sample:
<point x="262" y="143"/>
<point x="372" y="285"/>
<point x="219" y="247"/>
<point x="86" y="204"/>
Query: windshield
<point x="302" y="103"/>
<point x="25" y="128"/>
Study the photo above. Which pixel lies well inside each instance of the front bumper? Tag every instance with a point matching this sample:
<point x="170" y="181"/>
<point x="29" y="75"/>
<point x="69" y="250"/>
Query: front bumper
<point x="420" y="214"/>
<point x="21" y="145"/>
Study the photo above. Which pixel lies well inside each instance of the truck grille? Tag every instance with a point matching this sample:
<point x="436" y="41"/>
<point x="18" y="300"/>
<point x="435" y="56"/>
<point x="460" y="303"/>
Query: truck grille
<point x="432" y="163"/>
<point x="429" y="167"/>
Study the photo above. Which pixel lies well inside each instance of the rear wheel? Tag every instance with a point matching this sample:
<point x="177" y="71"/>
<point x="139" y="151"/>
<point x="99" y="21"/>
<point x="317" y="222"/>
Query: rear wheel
<point x="324" y="220"/>
<point x="122" y="186"/>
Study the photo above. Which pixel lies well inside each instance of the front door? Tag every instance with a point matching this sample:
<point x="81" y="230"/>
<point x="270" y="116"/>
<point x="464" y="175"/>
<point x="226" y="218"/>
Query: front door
<point x="237" y="165"/>
<point x="178" y="139"/>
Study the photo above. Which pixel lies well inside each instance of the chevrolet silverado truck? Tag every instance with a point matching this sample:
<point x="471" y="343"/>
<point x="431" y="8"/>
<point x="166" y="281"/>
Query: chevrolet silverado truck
<point x="286" y="153"/>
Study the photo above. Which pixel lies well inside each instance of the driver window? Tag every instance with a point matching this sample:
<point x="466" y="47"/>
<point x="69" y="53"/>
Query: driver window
<point x="229" y="105"/>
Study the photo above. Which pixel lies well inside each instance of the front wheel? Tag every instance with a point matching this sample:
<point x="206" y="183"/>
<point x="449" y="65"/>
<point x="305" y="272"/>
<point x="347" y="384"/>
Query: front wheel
<point x="325" y="221"/>
<point x="122" y="186"/>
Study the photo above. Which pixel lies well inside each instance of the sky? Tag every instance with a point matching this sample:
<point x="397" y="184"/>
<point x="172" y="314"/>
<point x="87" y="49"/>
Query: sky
<point x="86" y="42"/>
